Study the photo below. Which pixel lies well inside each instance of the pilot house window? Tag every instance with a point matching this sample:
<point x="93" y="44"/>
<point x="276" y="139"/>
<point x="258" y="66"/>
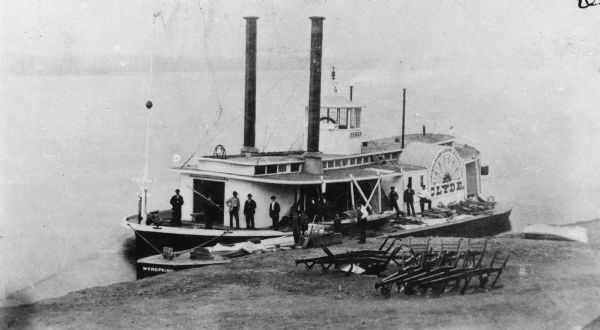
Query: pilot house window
<point x="343" y="118"/>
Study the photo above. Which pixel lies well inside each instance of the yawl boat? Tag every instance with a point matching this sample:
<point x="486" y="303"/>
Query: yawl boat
<point x="337" y="164"/>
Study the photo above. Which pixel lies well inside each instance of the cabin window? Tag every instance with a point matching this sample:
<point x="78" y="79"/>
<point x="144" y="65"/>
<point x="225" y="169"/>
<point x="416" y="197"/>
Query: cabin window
<point x="271" y="169"/>
<point x="330" y="164"/>
<point x="351" y="118"/>
<point x="365" y="160"/>
<point x="359" y="160"/>
<point x="295" y="167"/>
<point x="259" y="170"/>
<point x="338" y="163"/>
<point x="282" y="168"/>
<point x="352" y="161"/>
<point x="357" y="115"/>
<point x="343" y="118"/>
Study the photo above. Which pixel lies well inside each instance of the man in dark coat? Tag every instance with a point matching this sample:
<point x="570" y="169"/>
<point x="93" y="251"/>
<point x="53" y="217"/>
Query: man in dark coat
<point x="211" y="212"/>
<point x="409" y="199"/>
<point x="394" y="200"/>
<point x="249" y="210"/>
<point x="296" y="223"/>
<point x="274" y="212"/>
<point x="312" y="210"/>
<point x="176" y="203"/>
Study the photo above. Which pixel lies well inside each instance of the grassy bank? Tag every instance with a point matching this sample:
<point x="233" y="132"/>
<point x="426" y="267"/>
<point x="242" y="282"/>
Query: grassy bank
<point x="546" y="285"/>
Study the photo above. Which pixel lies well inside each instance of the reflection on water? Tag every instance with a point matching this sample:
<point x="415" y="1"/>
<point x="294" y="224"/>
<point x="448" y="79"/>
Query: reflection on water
<point x="76" y="143"/>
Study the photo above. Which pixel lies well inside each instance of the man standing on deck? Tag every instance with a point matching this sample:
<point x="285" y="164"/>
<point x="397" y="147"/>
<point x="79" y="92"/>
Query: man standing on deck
<point x="312" y="210"/>
<point x="234" y="208"/>
<point x="211" y="212"/>
<point x="394" y="200"/>
<point x="361" y="223"/>
<point x="176" y="203"/>
<point x="274" y="212"/>
<point x="409" y="194"/>
<point x="424" y="198"/>
<point x="249" y="210"/>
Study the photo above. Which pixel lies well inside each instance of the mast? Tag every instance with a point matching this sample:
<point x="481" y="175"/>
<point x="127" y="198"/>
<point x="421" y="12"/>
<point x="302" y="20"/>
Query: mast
<point x="403" y="113"/>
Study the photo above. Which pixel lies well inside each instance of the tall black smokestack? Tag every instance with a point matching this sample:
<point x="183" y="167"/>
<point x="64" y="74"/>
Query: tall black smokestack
<point x="312" y="156"/>
<point x="250" y="90"/>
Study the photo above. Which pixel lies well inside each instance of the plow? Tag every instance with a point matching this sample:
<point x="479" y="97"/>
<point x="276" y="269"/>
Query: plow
<point x="419" y="266"/>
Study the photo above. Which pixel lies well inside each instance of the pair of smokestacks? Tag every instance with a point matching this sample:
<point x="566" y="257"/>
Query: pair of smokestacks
<point x="312" y="156"/>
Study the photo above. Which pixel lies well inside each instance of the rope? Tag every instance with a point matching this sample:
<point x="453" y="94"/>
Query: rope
<point x="208" y="200"/>
<point x="149" y="91"/>
<point x="145" y="240"/>
<point x="279" y="113"/>
<point x="378" y="147"/>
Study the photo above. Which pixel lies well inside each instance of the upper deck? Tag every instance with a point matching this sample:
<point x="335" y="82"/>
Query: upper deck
<point x="287" y="166"/>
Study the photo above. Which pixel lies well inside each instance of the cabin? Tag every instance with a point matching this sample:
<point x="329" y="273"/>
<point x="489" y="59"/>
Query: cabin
<point x="450" y="171"/>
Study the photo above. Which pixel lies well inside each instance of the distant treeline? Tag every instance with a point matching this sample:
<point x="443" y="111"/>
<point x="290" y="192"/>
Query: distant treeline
<point x="98" y="65"/>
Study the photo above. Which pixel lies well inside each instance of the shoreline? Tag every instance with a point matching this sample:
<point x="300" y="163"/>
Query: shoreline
<point x="549" y="283"/>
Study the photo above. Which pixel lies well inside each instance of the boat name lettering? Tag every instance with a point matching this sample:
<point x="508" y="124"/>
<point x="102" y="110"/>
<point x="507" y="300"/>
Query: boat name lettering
<point x="156" y="269"/>
<point x="446" y="188"/>
<point x="355" y="134"/>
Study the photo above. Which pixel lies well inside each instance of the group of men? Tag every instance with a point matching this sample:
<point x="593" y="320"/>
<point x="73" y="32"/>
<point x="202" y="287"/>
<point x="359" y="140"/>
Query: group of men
<point x="233" y="204"/>
<point x="408" y="198"/>
<point x="249" y="210"/>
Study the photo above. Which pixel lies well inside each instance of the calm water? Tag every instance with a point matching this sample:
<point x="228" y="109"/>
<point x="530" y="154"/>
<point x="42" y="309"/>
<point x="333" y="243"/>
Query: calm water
<point x="71" y="147"/>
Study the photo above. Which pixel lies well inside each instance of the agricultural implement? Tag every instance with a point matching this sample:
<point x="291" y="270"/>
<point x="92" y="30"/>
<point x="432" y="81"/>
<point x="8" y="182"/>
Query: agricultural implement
<point x="372" y="261"/>
<point x="451" y="265"/>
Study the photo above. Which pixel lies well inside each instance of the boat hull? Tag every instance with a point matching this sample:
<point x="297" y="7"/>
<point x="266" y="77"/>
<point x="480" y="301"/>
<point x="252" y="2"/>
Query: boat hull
<point x="150" y="240"/>
<point x="477" y="226"/>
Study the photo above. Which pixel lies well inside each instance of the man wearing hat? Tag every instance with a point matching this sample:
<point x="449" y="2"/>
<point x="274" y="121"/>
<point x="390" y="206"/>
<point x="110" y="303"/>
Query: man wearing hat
<point x="409" y="199"/>
<point x="176" y="203"/>
<point x="249" y="210"/>
<point x="274" y="212"/>
<point x="394" y="200"/>
<point x="424" y="198"/>
<point x="361" y="221"/>
<point x="234" y="207"/>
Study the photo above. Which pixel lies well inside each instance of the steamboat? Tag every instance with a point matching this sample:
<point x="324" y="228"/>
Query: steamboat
<point x="338" y="168"/>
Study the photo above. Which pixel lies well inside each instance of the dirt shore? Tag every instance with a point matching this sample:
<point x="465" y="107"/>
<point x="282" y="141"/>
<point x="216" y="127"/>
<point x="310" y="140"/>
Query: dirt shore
<point x="546" y="285"/>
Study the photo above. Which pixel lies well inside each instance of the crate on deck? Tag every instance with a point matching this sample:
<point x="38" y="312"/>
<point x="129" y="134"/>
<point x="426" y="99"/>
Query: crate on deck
<point x="200" y="253"/>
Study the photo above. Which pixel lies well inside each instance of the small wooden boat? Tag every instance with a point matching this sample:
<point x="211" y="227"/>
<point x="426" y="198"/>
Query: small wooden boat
<point x="157" y="264"/>
<point x="373" y="221"/>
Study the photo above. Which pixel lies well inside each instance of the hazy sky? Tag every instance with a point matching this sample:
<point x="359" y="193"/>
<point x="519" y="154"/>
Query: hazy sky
<point x="498" y="33"/>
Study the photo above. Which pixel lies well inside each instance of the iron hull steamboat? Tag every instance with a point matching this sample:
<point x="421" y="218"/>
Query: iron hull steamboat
<point x="337" y="169"/>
